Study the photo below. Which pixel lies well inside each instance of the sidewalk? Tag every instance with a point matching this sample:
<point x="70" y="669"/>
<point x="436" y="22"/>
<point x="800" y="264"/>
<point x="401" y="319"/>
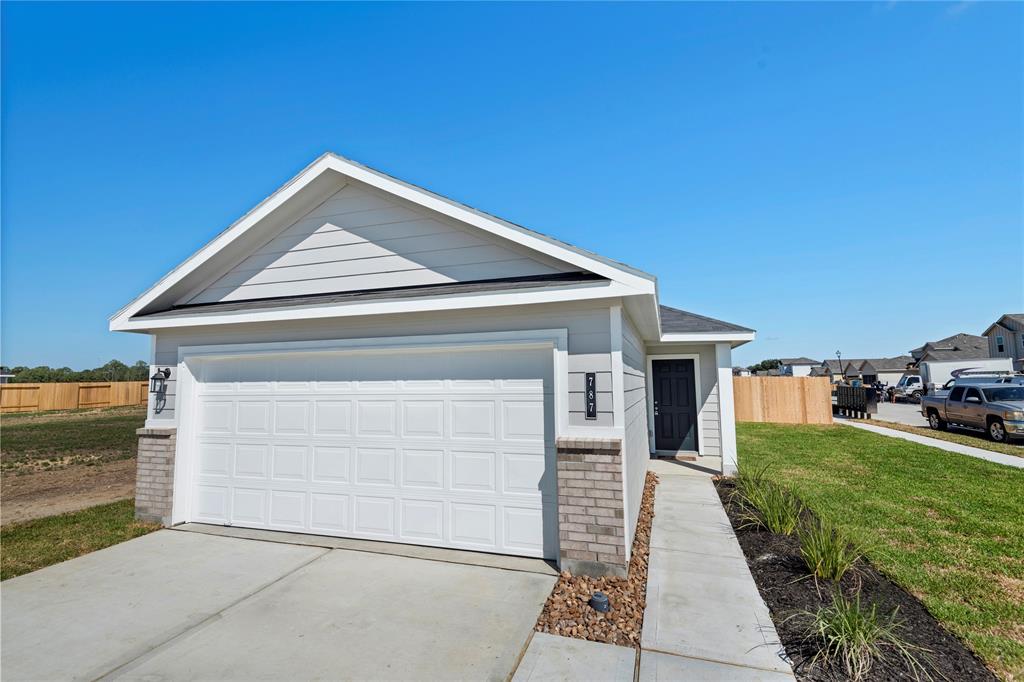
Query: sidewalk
<point x="980" y="453"/>
<point x="705" y="619"/>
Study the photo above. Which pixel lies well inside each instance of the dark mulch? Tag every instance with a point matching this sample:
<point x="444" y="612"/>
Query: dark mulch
<point x="784" y="583"/>
<point x="567" y="611"/>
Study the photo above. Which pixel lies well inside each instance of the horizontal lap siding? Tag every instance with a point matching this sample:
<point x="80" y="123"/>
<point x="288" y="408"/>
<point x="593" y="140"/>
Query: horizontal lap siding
<point x="636" y="444"/>
<point x="587" y="324"/>
<point x="361" y="239"/>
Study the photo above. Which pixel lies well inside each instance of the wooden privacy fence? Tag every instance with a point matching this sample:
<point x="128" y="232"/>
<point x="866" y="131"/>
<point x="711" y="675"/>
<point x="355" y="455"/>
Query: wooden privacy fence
<point x="783" y="400"/>
<point x="71" y="396"/>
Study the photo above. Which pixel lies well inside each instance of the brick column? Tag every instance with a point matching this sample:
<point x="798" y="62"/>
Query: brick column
<point x="154" y="475"/>
<point x="591" y="520"/>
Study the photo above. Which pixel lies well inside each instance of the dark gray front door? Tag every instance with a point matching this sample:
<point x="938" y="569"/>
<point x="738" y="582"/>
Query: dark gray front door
<point x="675" y="405"/>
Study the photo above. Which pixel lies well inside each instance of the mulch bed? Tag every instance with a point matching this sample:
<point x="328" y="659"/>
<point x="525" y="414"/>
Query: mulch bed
<point x="567" y="611"/>
<point x="786" y="586"/>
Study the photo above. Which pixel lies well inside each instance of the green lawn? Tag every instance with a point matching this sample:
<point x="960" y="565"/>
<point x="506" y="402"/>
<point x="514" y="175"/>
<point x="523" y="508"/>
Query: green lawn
<point x="947" y="527"/>
<point x="43" y="441"/>
<point x="975" y="439"/>
<point x="35" y="544"/>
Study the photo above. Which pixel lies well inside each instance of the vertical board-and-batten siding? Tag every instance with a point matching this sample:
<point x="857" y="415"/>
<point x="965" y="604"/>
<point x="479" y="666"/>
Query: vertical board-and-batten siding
<point x="361" y="238"/>
<point x="587" y="324"/>
<point x="635" y="445"/>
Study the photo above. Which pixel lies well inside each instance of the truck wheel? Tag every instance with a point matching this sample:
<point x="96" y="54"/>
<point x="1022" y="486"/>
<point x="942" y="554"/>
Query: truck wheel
<point x="996" y="430"/>
<point x="915" y="397"/>
<point x="935" y="421"/>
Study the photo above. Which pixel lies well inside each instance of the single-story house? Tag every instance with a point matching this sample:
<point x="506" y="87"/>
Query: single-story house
<point x="1006" y="339"/>
<point x="797" y="367"/>
<point x="740" y="372"/>
<point x="360" y="357"/>
<point x="868" y="370"/>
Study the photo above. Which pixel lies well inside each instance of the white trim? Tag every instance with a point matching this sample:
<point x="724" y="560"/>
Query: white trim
<point x="555" y="339"/>
<point x="195" y="317"/>
<point x="698" y="390"/>
<point x="726" y="408"/>
<point x="619" y="409"/>
<point x="708" y="337"/>
<point x="635" y="280"/>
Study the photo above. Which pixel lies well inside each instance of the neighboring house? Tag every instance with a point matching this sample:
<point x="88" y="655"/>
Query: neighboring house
<point x="952" y="349"/>
<point x="6" y="378"/>
<point x="740" y="372"/>
<point x="868" y="370"/>
<point x="360" y="357"/>
<point x="797" y="367"/>
<point x="1006" y="339"/>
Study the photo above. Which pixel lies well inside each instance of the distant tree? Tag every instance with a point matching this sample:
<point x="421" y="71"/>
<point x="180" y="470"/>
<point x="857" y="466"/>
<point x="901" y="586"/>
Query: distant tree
<point x="115" y="370"/>
<point x="765" y="365"/>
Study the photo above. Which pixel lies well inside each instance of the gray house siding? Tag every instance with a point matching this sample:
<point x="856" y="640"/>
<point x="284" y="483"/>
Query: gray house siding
<point x="710" y="427"/>
<point x="360" y="239"/>
<point x="636" y="446"/>
<point x="588" y="326"/>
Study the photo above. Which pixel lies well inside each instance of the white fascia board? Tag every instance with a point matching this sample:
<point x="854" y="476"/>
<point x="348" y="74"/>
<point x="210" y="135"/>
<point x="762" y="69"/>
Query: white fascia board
<point x="736" y="338"/>
<point x="198" y="319"/>
<point x="627" y="276"/>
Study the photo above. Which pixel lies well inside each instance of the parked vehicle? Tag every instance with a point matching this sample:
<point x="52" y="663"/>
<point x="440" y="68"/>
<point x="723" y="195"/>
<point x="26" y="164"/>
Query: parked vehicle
<point x="909" y="387"/>
<point x="936" y="374"/>
<point x="974" y="379"/>
<point x="996" y="408"/>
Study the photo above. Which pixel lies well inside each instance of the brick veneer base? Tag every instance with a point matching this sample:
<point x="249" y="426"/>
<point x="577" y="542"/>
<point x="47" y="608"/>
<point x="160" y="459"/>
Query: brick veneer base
<point x="154" y="475"/>
<point x="591" y="520"/>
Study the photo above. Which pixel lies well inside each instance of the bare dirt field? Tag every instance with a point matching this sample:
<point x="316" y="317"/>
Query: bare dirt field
<point x="60" y="462"/>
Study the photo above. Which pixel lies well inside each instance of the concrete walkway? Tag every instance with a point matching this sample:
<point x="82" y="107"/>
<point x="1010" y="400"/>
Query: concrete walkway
<point x="705" y="619"/>
<point x="988" y="455"/>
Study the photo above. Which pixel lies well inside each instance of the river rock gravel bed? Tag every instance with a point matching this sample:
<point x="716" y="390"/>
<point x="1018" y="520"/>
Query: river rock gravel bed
<point x="567" y="611"/>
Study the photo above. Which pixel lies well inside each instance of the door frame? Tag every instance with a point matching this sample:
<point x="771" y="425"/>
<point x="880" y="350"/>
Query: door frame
<point x="697" y="391"/>
<point x="555" y="340"/>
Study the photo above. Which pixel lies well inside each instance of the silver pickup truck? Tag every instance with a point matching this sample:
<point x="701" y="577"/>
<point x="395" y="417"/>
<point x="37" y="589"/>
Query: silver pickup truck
<point x="996" y="408"/>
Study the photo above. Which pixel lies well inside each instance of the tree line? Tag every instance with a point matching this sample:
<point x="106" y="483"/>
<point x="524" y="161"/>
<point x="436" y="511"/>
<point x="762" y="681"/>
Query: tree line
<point x="115" y="370"/>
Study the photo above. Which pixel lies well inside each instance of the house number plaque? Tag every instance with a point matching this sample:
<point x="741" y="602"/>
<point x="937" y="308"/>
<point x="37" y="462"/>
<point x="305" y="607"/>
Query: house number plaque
<point x="591" y="395"/>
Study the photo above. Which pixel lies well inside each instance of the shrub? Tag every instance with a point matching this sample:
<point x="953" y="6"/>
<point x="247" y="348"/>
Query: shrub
<point x="852" y="637"/>
<point x="766" y="504"/>
<point x="828" y="552"/>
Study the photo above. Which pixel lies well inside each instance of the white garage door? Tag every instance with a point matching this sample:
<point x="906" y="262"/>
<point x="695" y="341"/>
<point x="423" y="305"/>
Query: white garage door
<point x="451" y="449"/>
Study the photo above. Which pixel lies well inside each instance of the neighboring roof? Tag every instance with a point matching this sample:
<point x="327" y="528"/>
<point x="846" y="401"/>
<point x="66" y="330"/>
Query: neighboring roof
<point x="1016" y="320"/>
<point x="955" y="342"/>
<point x="898" y="363"/>
<point x="799" y="361"/>
<point x="453" y="288"/>
<point x="952" y="355"/>
<point x="675" y="321"/>
<point x="819" y="371"/>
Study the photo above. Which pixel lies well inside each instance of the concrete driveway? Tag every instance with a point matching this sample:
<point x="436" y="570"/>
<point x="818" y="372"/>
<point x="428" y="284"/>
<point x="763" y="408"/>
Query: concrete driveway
<point x="180" y="605"/>
<point x="902" y="413"/>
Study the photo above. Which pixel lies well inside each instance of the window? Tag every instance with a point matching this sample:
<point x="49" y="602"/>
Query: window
<point x="1000" y="344"/>
<point x="995" y="395"/>
<point x="957" y="394"/>
<point x="973" y="393"/>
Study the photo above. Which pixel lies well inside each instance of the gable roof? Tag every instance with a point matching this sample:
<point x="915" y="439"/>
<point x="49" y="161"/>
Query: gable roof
<point x="318" y="181"/>
<point x="799" y="361"/>
<point x="896" y="364"/>
<point x="955" y="342"/>
<point x="675" y="321"/>
<point x="1016" y="321"/>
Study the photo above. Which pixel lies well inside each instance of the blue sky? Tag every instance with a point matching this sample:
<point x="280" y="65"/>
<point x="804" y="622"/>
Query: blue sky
<point x="838" y="176"/>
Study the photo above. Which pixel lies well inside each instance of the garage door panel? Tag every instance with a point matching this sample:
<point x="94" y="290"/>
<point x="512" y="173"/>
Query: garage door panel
<point x="473" y="420"/>
<point x="427" y="449"/>
<point x="421" y="520"/>
<point x="251" y="460"/>
<point x="288" y="508"/>
<point x="375" y="466"/>
<point x="376" y="419"/>
<point x="423" y="468"/>
<point x="331" y="464"/>
<point x="375" y="516"/>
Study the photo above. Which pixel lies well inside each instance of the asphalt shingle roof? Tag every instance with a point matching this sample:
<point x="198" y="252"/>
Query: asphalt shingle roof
<point x="675" y="321"/>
